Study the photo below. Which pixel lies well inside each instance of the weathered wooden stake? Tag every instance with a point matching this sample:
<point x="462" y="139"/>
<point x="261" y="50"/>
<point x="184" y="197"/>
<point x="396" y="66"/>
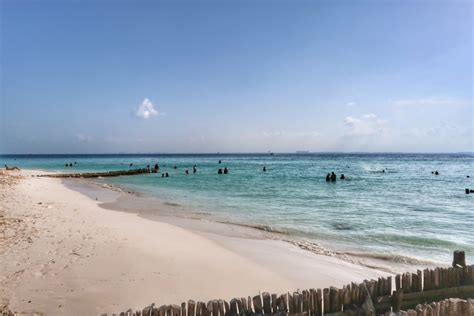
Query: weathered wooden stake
<point x="459" y="259"/>
<point x="191" y="308"/>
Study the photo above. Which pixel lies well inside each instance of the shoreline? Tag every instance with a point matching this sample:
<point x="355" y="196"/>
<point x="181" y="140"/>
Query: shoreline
<point x="212" y="226"/>
<point x="67" y="254"/>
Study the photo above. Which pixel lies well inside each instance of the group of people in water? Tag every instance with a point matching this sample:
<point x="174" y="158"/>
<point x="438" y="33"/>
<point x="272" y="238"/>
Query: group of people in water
<point x="223" y="171"/>
<point x="156" y="169"/>
<point x="331" y="177"/>
<point x="70" y="164"/>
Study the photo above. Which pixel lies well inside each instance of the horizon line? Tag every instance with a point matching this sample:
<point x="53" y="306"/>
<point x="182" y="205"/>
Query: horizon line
<point x="237" y="153"/>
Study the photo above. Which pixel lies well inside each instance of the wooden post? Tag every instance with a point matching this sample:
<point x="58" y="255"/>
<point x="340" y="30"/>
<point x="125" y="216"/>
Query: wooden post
<point x="397" y="298"/>
<point x="274" y="303"/>
<point x="368" y="305"/>
<point x="398" y="282"/>
<point x="320" y="301"/>
<point x="284" y="302"/>
<point x="426" y="279"/>
<point x="459" y="259"/>
<point x="362" y="293"/>
<point x="257" y="304"/>
<point x="355" y="294"/>
<point x="291" y="306"/>
<point x="464" y="276"/>
<point x="191" y="308"/>
<point x="296" y="302"/>
<point x="388" y="289"/>
<point x="380" y="287"/>
<point x="201" y="309"/>
<point x="227" y="308"/>
<point x="371" y="287"/>
<point x="221" y="307"/>
<point x="233" y="307"/>
<point x="333" y="299"/>
<point x="312" y="302"/>
<point x="208" y="309"/>
<point x="183" y="309"/>
<point x="162" y="310"/>
<point x="212" y="306"/>
<point x="306" y="301"/>
<point x="267" y="307"/>
<point x="245" y="307"/>
<point x="176" y="310"/>
<point x="280" y="304"/>
<point x="326" y="300"/>
<point x="419" y="286"/>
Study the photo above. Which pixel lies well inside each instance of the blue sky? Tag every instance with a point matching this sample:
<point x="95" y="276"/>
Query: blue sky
<point x="236" y="76"/>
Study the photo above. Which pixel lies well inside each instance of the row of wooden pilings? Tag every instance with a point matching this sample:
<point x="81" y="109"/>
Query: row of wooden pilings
<point x="373" y="297"/>
<point x="98" y="174"/>
<point x="447" y="307"/>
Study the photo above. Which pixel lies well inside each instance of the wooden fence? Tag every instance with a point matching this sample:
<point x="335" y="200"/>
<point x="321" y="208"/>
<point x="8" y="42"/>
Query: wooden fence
<point x="100" y="174"/>
<point x="374" y="297"/>
<point x="447" y="307"/>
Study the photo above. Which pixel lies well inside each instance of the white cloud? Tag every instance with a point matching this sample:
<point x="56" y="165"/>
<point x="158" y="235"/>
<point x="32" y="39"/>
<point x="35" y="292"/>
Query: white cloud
<point x="365" y="125"/>
<point x="290" y="134"/>
<point x="146" y="110"/>
<point x="272" y="134"/>
<point x="83" y="138"/>
<point x="350" y="104"/>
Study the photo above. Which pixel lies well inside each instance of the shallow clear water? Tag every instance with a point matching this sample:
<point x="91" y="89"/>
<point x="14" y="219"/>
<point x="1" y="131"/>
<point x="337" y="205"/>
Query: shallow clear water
<point x="405" y="212"/>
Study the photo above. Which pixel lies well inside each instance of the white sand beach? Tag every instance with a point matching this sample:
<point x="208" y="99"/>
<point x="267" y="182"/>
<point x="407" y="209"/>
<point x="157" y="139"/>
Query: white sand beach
<point x="63" y="254"/>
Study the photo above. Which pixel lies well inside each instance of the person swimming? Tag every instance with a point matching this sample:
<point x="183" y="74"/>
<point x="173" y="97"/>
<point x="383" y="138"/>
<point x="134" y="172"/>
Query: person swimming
<point x="328" y="177"/>
<point x="167" y="175"/>
<point x="342" y="176"/>
<point x="157" y="167"/>
<point x="175" y="167"/>
<point x="436" y="173"/>
<point x="219" y="171"/>
<point x="220" y="162"/>
<point x="186" y="172"/>
<point x="333" y="176"/>
<point x="226" y="171"/>
<point x="162" y="175"/>
<point x="264" y="168"/>
<point x="131" y="164"/>
<point x="194" y="169"/>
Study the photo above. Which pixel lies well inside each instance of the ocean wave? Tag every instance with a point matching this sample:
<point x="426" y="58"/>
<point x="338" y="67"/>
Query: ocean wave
<point x="113" y="187"/>
<point x="172" y="204"/>
<point x="342" y="226"/>
<point x="109" y="187"/>
<point x="390" y="257"/>
<point x="373" y="260"/>
<point x="264" y="228"/>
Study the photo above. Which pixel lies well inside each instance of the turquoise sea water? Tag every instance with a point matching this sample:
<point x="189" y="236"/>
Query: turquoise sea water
<point x="406" y="212"/>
